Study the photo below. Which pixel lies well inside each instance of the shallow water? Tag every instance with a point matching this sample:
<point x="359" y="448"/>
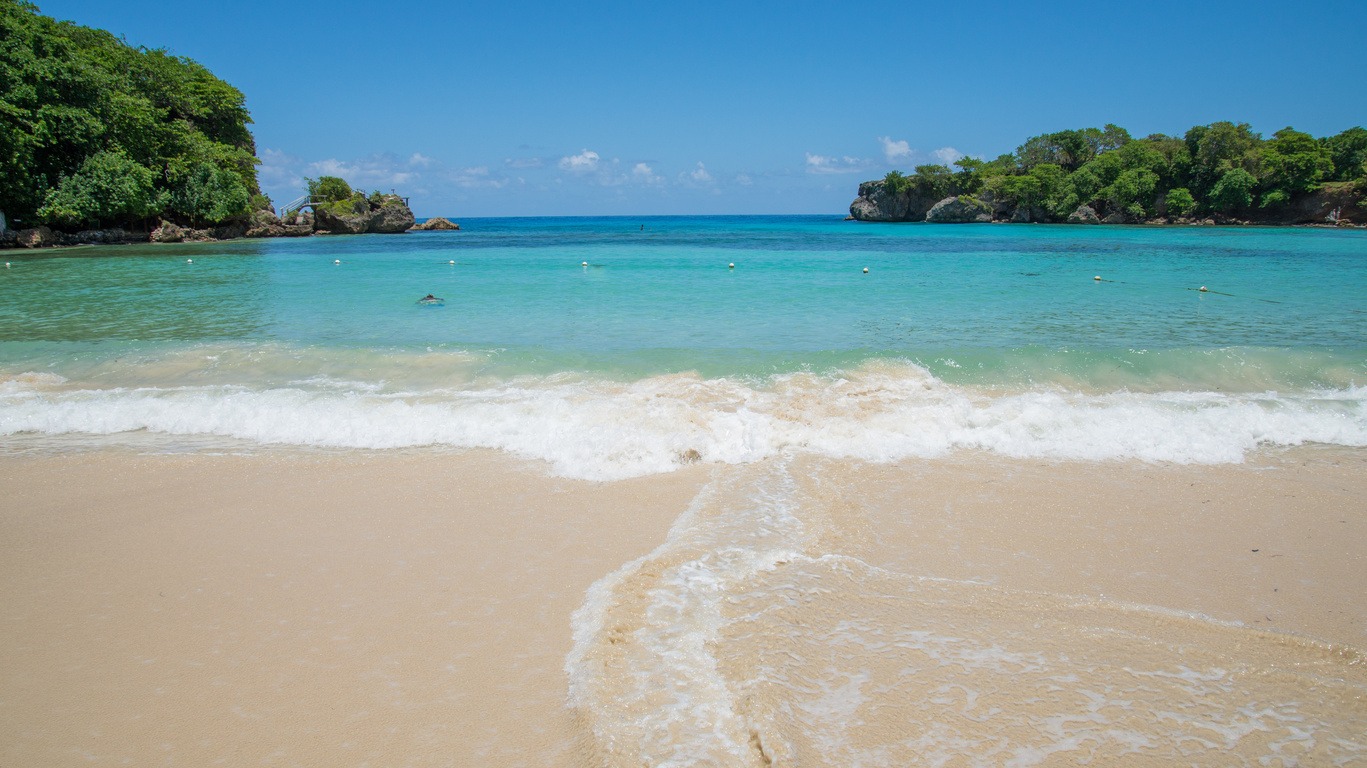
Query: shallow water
<point x="994" y="337"/>
<point x="761" y="631"/>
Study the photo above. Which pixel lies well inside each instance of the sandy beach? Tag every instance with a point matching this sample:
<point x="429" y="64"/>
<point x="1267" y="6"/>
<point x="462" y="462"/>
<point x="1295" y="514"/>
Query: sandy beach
<point x="415" y="608"/>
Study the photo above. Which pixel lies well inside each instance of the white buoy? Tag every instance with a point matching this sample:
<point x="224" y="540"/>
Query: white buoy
<point x="7" y="265"/>
<point x="1097" y="278"/>
<point x="452" y="262"/>
<point x="732" y="265"/>
<point x="336" y="261"/>
<point x="583" y="263"/>
<point x="866" y="270"/>
<point x="1203" y="289"/>
<point x="189" y="261"/>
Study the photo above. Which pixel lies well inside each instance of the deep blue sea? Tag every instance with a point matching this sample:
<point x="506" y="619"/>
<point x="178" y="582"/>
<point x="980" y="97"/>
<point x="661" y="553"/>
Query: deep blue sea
<point x="610" y="347"/>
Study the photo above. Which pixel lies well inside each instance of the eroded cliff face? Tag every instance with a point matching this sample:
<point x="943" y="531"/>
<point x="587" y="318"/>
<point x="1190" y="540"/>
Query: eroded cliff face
<point x="876" y="203"/>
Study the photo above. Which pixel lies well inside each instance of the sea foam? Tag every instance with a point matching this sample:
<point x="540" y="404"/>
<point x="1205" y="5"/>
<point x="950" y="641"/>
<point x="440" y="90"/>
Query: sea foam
<point x="603" y="429"/>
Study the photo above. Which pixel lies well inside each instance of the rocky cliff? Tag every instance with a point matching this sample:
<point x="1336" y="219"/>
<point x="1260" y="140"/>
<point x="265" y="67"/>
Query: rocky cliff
<point x="385" y="214"/>
<point x="1340" y="204"/>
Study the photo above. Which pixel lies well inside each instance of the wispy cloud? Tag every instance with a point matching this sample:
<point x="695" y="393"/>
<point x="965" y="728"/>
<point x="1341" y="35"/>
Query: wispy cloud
<point x="946" y="155"/>
<point x="700" y="174"/>
<point x="586" y="160"/>
<point x="374" y="171"/>
<point x="894" y="150"/>
<point x="523" y="162"/>
<point x="846" y="164"/>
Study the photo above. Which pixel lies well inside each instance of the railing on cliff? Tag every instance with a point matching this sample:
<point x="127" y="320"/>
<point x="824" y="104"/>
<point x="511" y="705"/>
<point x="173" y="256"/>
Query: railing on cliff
<point x="303" y="201"/>
<point x="306" y="201"/>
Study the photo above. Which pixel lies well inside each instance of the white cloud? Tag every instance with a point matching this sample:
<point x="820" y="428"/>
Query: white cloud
<point x="744" y="179"/>
<point x="523" y="162"/>
<point x="894" y="150"/>
<point x="946" y="155"/>
<point x="586" y="160"/>
<point x="700" y="174"/>
<point x="644" y="173"/>
<point x="419" y="159"/>
<point x="846" y="164"/>
<point x="477" y="177"/>
<point x="371" y="172"/>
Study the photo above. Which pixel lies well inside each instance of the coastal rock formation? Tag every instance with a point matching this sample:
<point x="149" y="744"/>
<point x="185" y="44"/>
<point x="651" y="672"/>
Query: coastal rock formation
<point x="959" y="210"/>
<point x="877" y="203"/>
<point x="38" y="237"/>
<point x="392" y="217"/>
<point x="1084" y="215"/>
<point x="266" y="224"/>
<point x="167" y="233"/>
<point x="341" y="221"/>
<point x="387" y="214"/>
<point x="435" y="223"/>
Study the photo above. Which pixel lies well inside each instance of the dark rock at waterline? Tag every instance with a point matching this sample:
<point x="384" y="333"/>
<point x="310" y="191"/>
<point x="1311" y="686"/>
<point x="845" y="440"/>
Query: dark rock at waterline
<point x="436" y="223"/>
<point x="959" y="210"/>
<point x="877" y="203"/>
<point x="1084" y="215"/>
<point x="167" y="233"/>
<point x="37" y="237"/>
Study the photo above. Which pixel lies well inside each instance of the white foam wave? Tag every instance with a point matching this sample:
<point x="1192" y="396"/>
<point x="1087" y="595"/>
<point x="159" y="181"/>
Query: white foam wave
<point x="601" y="429"/>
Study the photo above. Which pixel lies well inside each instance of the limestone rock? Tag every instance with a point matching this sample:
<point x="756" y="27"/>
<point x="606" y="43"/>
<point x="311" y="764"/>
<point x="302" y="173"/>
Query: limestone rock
<point x="263" y="223"/>
<point x="1084" y="215"/>
<point x="341" y="223"/>
<point x="435" y="223"/>
<point x="167" y="233"/>
<point x="959" y="210"/>
<point x="1118" y="217"/>
<point x="876" y="203"/>
<point x="38" y="237"/>
<point x="390" y="218"/>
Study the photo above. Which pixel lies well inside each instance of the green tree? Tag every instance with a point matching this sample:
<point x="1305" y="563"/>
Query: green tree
<point x="934" y="181"/>
<point x="207" y="194"/>
<point x="1179" y="202"/>
<point x="1218" y="148"/>
<point x="1233" y="192"/>
<point x="1348" y="150"/>
<point x="1132" y="191"/>
<point x="108" y="188"/>
<point x="332" y="189"/>
<point x="1045" y="188"/>
<point x="1293" y="163"/>
<point x="969" y="178"/>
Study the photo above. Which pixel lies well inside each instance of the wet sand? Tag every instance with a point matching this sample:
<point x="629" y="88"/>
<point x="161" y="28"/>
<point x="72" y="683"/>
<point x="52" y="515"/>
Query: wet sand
<point x="414" y="609"/>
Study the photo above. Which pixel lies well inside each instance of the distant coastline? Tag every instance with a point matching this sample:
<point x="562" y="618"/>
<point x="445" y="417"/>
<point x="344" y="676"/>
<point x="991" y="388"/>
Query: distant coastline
<point x="1222" y="173"/>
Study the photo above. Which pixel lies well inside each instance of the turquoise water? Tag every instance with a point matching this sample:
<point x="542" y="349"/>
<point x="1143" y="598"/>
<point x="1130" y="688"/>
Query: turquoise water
<point x="980" y="312"/>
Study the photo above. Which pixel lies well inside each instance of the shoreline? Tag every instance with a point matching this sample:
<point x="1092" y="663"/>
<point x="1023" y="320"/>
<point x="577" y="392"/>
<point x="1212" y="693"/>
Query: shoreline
<point x="416" y="607"/>
<point x="11" y="245"/>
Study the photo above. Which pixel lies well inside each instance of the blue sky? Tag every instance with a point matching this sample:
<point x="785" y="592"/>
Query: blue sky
<point x="636" y="108"/>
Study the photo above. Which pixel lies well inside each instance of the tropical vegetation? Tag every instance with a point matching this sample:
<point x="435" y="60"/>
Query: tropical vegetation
<point x="95" y="132"/>
<point x="1219" y="169"/>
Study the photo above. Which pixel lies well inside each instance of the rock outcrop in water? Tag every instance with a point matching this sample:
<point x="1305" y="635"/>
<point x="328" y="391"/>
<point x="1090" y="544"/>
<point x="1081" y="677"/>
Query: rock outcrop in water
<point x="436" y="223"/>
<point x="385" y="214"/>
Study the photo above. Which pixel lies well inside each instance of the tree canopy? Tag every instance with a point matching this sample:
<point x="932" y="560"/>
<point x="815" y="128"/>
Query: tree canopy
<point x="1222" y="168"/>
<point x="79" y="107"/>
